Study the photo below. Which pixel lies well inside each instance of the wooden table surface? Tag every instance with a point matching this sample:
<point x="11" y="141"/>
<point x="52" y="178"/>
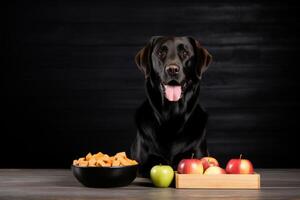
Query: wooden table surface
<point x="60" y="184"/>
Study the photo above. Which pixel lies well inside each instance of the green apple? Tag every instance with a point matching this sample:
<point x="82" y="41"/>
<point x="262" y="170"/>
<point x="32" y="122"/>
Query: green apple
<point x="162" y="175"/>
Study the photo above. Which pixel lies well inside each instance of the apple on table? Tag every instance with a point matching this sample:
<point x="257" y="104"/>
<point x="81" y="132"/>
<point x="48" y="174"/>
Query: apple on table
<point x="162" y="175"/>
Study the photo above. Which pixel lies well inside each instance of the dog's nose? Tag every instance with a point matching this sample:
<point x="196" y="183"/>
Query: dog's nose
<point x="172" y="69"/>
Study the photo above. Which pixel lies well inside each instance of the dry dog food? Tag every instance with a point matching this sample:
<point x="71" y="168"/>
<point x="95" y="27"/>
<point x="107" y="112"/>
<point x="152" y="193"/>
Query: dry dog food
<point x="103" y="160"/>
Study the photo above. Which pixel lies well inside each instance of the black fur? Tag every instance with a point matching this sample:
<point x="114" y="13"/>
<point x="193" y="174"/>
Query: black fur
<point x="170" y="131"/>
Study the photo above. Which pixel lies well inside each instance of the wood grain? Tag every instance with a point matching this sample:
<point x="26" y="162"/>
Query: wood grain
<point x="31" y="184"/>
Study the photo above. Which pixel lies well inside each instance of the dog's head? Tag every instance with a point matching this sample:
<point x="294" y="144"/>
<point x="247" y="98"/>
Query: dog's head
<point x="173" y="64"/>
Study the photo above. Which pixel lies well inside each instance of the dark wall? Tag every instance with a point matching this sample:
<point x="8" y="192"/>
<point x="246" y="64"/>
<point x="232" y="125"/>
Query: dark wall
<point x="70" y="84"/>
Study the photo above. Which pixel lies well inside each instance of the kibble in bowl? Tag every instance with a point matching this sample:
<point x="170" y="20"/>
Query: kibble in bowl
<point x="102" y="170"/>
<point x="103" y="160"/>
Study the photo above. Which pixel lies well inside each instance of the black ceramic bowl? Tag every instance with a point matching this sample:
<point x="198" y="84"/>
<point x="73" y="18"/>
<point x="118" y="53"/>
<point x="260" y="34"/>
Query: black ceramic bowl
<point x="105" y="176"/>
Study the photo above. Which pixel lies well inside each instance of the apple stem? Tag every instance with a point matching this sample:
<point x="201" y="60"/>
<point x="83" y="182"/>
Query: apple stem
<point x="192" y="155"/>
<point x="241" y="156"/>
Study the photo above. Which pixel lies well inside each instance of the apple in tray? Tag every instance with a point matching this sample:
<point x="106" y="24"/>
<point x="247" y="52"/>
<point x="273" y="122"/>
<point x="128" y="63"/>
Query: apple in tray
<point x="209" y="162"/>
<point x="190" y="166"/>
<point x="213" y="170"/>
<point x="239" y="166"/>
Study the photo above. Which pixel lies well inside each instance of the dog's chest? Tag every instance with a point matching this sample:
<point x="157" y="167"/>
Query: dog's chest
<point x="176" y="138"/>
<point x="172" y="144"/>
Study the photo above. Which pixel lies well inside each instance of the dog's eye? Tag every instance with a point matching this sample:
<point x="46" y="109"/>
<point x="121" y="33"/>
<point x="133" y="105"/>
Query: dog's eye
<point x="184" y="53"/>
<point x="162" y="52"/>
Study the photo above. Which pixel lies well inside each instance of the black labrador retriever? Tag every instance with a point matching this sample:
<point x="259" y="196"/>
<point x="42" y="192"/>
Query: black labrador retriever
<point x="170" y="123"/>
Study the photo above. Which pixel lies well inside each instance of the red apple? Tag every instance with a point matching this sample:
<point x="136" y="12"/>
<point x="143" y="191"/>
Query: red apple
<point x="214" y="170"/>
<point x="190" y="166"/>
<point x="239" y="166"/>
<point x="209" y="162"/>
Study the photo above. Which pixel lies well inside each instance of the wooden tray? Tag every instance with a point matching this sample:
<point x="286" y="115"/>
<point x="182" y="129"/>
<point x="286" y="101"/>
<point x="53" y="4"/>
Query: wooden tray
<point x="220" y="181"/>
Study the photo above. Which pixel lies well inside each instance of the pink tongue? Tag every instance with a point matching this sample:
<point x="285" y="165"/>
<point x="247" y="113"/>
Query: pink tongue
<point x="172" y="93"/>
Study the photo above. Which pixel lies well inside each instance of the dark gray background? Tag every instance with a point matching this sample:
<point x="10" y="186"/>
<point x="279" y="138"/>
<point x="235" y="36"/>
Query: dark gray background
<point x="70" y="84"/>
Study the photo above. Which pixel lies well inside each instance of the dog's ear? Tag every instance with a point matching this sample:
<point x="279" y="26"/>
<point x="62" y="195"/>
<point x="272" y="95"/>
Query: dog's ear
<point x="203" y="57"/>
<point x="143" y="57"/>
